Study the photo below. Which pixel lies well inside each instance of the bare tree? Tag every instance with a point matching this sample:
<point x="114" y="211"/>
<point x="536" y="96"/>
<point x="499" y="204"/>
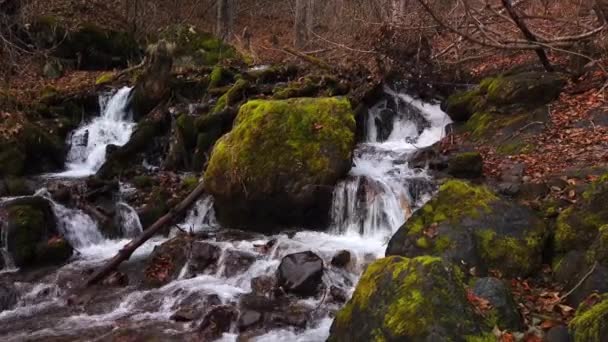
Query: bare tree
<point x="226" y="11"/>
<point x="301" y="23"/>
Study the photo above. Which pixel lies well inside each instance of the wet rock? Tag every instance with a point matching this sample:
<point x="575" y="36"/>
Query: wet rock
<point x="8" y="296"/>
<point x="263" y="285"/>
<point x="401" y="299"/>
<point x="430" y="157"/>
<point x="237" y="262"/>
<point x="267" y="247"/>
<point x="341" y="259"/>
<point x="217" y="322"/>
<point x="337" y="295"/>
<point x="117" y="279"/>
<point x="202" y="256"/>
<point x="558" y="334"/>
<point x="590" y="323"/>
<point x="248" y="319"/>
<point x="300" y="190"/>
<point x="185" y="315"/>
<point x="470" y="224"/>
<point x="384" y="123"/>
<point x="503" y="304"/>
<point x="465" y="165"/>
<point x="32" y="238"/>
<point x="12" y="186"/>
<point x="167" y="261"/>
<point x="300" y="273"/>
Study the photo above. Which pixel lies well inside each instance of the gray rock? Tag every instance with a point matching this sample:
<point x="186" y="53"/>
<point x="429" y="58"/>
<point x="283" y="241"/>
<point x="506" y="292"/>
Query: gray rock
<point x="495" y="291"/>
<point x="301" y="273"/>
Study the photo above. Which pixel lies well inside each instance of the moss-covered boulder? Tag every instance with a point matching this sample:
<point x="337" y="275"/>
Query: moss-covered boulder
<point x="195" y="48"/>
<point x="279" y="163"/>
<point x="32" y="237"/>
<point x="401" y="299"/>
<point x="471" y="225"/>
<point x="590" y="324"/>
<point x="26" y="148"/>
<point x="578" y="226"/>
<point x="90" y="47"/>
<point x="508" y="110"/>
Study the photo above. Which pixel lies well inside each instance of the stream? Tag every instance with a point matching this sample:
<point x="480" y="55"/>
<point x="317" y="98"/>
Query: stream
<point x="369" y="205"/>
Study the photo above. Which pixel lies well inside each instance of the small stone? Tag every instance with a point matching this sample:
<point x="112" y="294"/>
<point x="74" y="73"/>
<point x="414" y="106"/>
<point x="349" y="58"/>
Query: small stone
<point x="236" y="262"/>
<point x="202" y="256"/>
<point x="337" y="294"/>
<point x="341" y="259"/>
<point x="263" y="285"/>
<point x="217" y="322"/>
<point x="495" y="291"/>
<point x="248" y="319"/>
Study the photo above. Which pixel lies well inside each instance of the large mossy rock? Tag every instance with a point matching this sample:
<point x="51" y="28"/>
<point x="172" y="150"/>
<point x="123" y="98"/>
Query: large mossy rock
<point x="469" y="224"/>
<point x="280" y="162"/>
<point x="590" y="324"/>
<point x="26" y="148"/>
<point x="91" y="47"/>
<point x="32" y="237"/>
<point x="506" y="111"/>
<point x="401" y="299"/>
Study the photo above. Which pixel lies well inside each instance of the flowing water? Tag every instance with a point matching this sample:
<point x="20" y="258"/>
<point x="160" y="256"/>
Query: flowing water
<point x="88" y="143"/>
<point x="378" y="195"/>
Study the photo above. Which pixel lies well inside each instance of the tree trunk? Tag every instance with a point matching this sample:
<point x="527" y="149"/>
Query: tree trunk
<point x="225" y="18"/>
<point x="301" y="34"/>
<point x="126" y="252"/>
<point x="540" y="52"/>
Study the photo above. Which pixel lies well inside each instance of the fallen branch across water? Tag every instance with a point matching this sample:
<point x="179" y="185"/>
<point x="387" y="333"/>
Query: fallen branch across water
<point x="126" y="252"/>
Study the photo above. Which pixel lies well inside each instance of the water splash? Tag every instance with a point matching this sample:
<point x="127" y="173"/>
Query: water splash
<point x="201" y="216"/>
<point x="88" y="143"/>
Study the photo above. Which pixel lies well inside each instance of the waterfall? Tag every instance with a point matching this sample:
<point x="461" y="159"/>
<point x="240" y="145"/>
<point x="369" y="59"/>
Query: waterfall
<point x="382" y="190"/>
<point x="201" y="216"/>
<point x="88" y="142"/>
<point x="128" y="220"/>
<point x="77" y="227"/>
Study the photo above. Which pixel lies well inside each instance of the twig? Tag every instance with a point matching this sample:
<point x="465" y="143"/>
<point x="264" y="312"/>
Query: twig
<point x="580" y="282"/>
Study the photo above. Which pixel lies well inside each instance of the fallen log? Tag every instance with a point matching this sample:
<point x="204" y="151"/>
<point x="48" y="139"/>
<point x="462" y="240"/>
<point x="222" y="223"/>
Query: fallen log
<point x="126" y="252"/>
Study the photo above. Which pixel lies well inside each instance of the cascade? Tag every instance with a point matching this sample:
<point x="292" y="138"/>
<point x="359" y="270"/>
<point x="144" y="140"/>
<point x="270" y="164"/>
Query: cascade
<point x="379" y="194"/>
<point x="88" y="142"/>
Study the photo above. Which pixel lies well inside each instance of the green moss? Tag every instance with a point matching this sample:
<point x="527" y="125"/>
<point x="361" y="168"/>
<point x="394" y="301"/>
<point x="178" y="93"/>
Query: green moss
<point x="514" y="147"/>
<point x="187" y="129"/>
<point x="233" y="96"/>
<point x="590" y="323"/>
<point x="422" y="242"/>
<point x="104" y="78"/>
<point x="218" y="77"/>
<point x="455" y="200"/>
<point x="461" y="105"/>
<point x="565" y="234"/>
<point x="189" y="183"/>
<point x="202" y="47"/>
<point x="479" y="124"/>
<point x="293" y="137"/>
<point x="489" y="337"/>
<point x="508" y="252"/>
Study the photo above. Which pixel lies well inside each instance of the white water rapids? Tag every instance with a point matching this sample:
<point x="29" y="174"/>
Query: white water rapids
<point x="377" y="197"/>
